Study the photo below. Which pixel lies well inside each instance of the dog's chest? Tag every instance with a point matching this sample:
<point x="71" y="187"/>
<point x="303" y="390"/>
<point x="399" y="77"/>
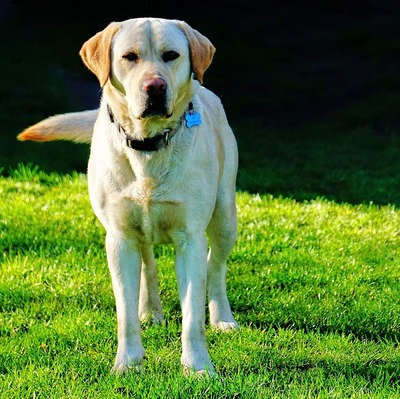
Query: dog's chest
<point x="150" y="215"/>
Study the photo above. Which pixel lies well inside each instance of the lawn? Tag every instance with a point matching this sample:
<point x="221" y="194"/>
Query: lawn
<point x="314" y="286"/>
<point x="314" y="277"/>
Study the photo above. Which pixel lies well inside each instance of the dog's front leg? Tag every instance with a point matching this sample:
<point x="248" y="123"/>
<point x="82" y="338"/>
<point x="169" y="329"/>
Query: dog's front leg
<point x="191" y="271"/>
<point x="124" y="262"/>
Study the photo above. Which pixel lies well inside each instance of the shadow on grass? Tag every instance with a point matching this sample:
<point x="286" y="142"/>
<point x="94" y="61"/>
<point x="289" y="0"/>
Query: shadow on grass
<point x="358" y="166"/>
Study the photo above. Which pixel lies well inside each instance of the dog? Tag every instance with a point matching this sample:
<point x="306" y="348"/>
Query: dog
<point x="162" y="170"/>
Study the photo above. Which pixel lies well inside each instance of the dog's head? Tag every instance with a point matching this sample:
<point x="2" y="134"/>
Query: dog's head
<point x="151" y="64"/>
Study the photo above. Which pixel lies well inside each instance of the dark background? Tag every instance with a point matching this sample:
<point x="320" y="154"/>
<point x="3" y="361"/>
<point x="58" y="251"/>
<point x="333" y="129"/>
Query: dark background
<point x="311" y="88"/>
<point x="302" y="68"/>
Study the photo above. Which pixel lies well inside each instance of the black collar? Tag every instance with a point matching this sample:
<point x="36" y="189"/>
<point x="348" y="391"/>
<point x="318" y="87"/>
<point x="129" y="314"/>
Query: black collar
<point x="150" y="144"/>
<point x="155" y="143"/>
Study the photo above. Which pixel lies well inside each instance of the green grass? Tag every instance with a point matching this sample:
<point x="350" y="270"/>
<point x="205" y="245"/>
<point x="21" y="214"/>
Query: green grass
<point x="314" y="278"/>
<point x="314" y="286"/>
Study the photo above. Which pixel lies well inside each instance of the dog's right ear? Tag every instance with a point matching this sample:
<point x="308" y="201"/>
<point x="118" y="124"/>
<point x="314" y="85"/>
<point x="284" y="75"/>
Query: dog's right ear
<point x="96" y="52"/>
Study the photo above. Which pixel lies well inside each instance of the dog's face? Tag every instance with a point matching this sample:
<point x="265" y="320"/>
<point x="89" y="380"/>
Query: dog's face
<point x="151" y="63"/>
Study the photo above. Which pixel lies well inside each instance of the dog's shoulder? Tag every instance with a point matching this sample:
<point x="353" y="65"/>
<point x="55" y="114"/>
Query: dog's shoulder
<point x="209" y="99"/>
<point x="213" y="111"/>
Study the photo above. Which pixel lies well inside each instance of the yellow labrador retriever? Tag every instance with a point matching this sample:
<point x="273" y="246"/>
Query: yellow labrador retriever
<point x="162" y="169"/>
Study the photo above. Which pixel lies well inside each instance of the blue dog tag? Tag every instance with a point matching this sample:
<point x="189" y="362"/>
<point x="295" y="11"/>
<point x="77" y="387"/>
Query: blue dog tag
<point x="193" y="119"/>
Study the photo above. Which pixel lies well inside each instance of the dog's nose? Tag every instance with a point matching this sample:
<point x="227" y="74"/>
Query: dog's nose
<point x="155" y="86"/>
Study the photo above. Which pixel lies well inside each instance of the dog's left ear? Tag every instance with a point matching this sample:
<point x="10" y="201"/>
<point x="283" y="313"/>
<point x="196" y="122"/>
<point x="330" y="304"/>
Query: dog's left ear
<point x="96" y="52"/>
<point x="201" y="50"/>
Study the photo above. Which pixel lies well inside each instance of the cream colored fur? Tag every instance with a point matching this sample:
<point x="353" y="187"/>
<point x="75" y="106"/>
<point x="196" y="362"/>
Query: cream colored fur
<point x="174" y="195"/>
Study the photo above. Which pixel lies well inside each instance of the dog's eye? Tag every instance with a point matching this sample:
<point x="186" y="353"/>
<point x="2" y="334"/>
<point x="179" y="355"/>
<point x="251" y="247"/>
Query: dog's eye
<point x="131" y="56"/>
<point x="170" y="56"/>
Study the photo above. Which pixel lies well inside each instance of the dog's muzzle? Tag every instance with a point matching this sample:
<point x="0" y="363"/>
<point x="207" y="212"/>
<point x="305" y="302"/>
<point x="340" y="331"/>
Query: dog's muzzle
<point x="156" y="103"/>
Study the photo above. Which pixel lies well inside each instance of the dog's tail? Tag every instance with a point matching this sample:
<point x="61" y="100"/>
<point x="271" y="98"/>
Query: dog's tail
<point x="73" y="126"/>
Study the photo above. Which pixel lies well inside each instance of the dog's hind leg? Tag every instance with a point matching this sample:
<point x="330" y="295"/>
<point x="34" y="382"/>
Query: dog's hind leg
<point x="150" y="308"/>
<point x="222" y="232"/>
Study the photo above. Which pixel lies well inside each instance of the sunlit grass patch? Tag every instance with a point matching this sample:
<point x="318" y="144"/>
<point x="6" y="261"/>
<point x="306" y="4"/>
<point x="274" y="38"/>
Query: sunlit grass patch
<point x="313" y="285"/>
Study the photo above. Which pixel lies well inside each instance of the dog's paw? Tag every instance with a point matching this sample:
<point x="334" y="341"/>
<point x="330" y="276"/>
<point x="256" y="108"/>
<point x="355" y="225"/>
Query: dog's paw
<point x="225" y="326"/>
<point x="130" y="362"/>
<point x="197" y="363"/>
<point x="152" y="317"/>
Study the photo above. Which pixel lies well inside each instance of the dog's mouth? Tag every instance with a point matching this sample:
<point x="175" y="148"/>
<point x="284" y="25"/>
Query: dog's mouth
<point x="156" y="107"/>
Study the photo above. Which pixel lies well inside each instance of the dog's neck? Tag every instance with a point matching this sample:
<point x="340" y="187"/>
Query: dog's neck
<point x="154" y="143"/>
<point x="161" y="140"/>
